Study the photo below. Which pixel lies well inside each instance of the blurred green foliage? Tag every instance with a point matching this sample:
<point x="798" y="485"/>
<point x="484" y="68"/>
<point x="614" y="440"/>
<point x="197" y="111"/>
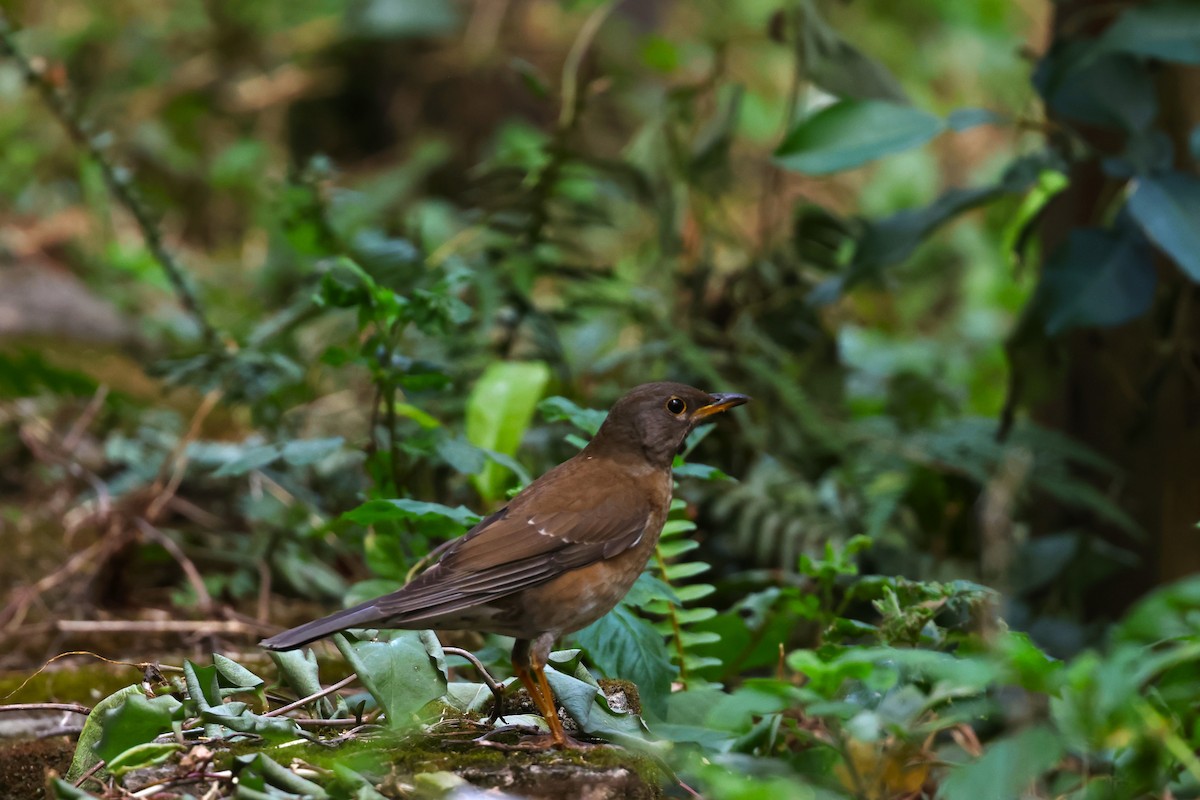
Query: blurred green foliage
<point x="433" y="240"/>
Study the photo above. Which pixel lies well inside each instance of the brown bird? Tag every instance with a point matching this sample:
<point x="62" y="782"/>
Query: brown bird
<point x="561" y="554"/>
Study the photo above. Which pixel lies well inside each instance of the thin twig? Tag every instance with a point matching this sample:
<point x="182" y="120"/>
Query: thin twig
<point x="262" y="610"/>
<point x="570" y="74"/>
<point x="75" y="435"/>
<point x="155" y="626"/>
<point x="117" y="179"/>
<point x="74" y="708"/>
<point x="13" y="614"/>
<point x="165" y="488"/>
<point x="303" y="701"/>
<point x="495" y="686"/>
<point x="99" y="765"/>
<point x="327" y="723"/>
<point x="176" y="552"/>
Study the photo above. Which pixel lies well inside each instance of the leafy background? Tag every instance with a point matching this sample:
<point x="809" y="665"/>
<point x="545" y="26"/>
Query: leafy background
<point x="290" y="292"/>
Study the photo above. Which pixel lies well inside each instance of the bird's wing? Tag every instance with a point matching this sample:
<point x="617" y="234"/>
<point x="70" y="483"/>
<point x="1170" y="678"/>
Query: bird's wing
<point x="515" y="550"/>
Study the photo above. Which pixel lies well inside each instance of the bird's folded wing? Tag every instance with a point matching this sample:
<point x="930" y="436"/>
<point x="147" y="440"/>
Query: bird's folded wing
<point x="515" y="550"/>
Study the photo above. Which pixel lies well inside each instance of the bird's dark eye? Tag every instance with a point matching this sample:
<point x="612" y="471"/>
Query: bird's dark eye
<point x="676" y="406"/>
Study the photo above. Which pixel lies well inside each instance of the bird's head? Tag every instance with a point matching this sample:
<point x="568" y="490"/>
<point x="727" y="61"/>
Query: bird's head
<point x="652" y="420"/>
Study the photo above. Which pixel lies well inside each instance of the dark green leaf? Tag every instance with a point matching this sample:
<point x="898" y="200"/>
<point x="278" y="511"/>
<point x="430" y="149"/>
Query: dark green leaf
<point x="1007" y="767"/>
<point x="66" y="791"/>
<point x="588" y="706"/>
<point x="397" y="19"/>
<point x="1165" y="29"/>
<point x="1111" y="90"/>
<point x="141" y="756"/>
<point x="401" y="673"/>
<point x="1167" y="208"/>
<point x="460" y="455"/>
<point x="300" y="672"/>
<point x="894" y="239"/>
<point x="249" y="459"/>
<point x="962" y="119"/>
<point x="432" y="517"/>
<point x="1095" y="278"/>
<point x="623" y="645"/>
<point x="136" y="721"/>
<point x="26" y="374"/>
<point x="300" y="452"/>
<point x="851" y="133"/>
<point x="559" y="409"/>
<point x="94" y="729"/>
<point x="702" y="471"/>
<point x="275" y="774"/>
<point x="838" y="67"/>
<point x="1170" y="612"/>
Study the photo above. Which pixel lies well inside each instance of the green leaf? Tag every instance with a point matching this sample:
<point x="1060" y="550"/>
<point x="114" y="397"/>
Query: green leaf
<point x="364" y="788"/>
<point x="835" y="65"/>
<point x="66" y="791"/>
<point x="702" y="471"/>
<point x="402" y="674"/>
<point x="647" y="588"/>
<point x="94" y="729"/>
<point x="1167" y="207"/>
<point x="588" y="706"/>
<point x="249" y="459"/>
<point x="893" y="239"/>
<point x="300" y="452"/>
<point x="460" y="455"/>
<point x="468" y="698"/>
<point x="434" y="519"/>
<point x="1165" y="29"/>
<point x="676" y="547"/>
<point x="1170" y="612"/>
<point x="683" y="571"/>
<point x="850" y="133"/>
<point x="26" y="374"/>
<point x="234" y="674"/>
<point x="300" y="672"/>
<point x="623" y="645"/>
<point x="1112" y="90"/>
<point x="396" y="19"/>
<point x="271" y="772"/>
<point x="1006" y="768"/>
<point x="1095" y="278"/>
<point x="560" y="409"/>
<point x="693" y="592"/>
<point x="141" y="756"/>
<point x="499" y="410"/>
<point x="136" y="721"/>
<point x="962" y="119"/>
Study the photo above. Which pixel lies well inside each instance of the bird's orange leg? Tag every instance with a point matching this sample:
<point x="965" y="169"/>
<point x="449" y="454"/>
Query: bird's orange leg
<point x="529" y="662"/>
<point x="548" y="707"/>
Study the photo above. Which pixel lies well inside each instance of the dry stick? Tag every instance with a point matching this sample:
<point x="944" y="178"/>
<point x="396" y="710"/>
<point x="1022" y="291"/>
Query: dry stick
<point x="117" y="179"/>
<point x="73" y="437"/>
<point x="262" y="610"/>
<point x="185" y="563"/>
<point x="495" y="686"/>
<point x="74" y="708"/>
<point x="13" y="614"/>
<point x="99" y="765"/>
<point x="154" y="626"/>
<point x="177" y="463"/>
<point x="303" y="701"/>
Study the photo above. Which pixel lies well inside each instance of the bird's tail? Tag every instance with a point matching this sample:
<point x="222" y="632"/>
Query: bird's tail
<point x="361" y="616"/>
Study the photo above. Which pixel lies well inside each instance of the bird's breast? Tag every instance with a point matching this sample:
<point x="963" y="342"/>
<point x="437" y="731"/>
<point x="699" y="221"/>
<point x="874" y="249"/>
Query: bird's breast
<point x="579" y="597"/>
